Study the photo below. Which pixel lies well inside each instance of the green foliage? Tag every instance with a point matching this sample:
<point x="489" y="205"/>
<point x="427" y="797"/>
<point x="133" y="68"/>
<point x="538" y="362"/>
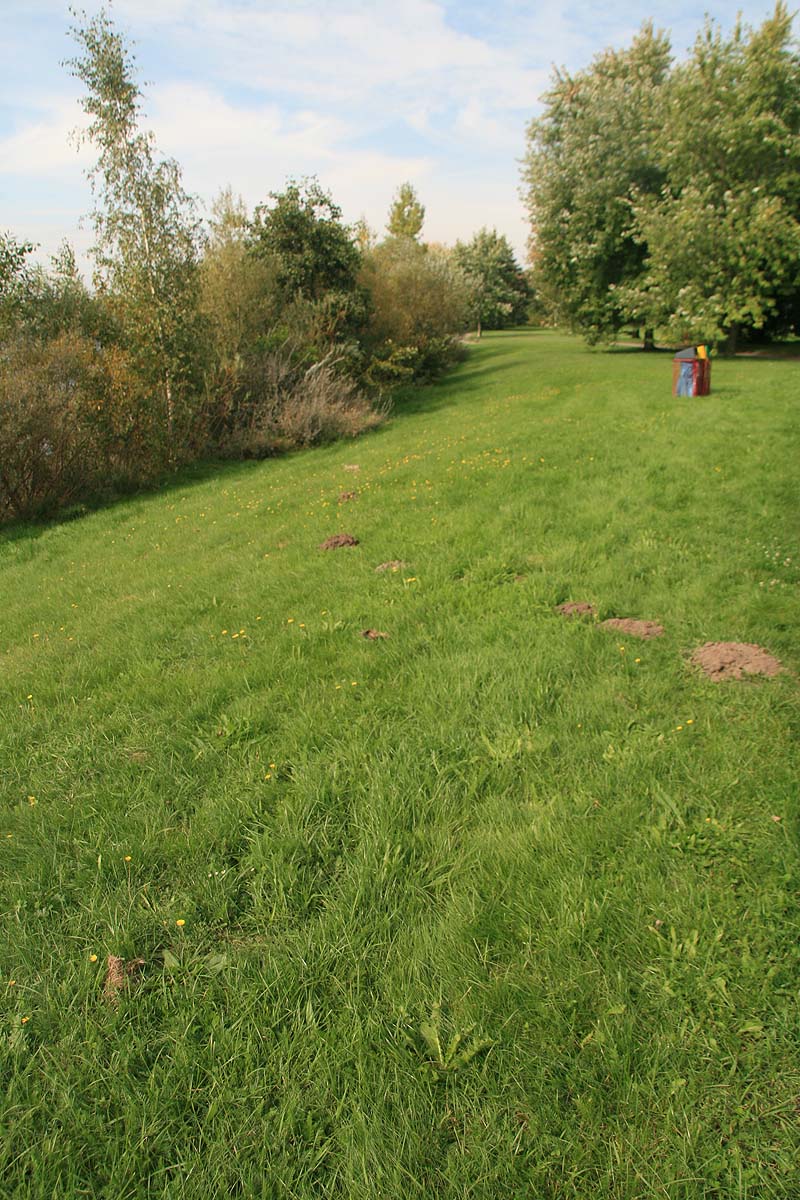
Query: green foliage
<point x="73" y="422"/>
<point x="500" y="288"/>
<point x="407" y="215"/>
<point x="14" y="274"/>
<point x="146" y="227"/>
<point x="723" y="237"/>
<point x="302" y="232"/>
<point x="41" y="304"/>
<point x="669" y="196"/>
<point x="591" y="152"/>
<point x="420" y="298"/>
<point x="239" y="293"/>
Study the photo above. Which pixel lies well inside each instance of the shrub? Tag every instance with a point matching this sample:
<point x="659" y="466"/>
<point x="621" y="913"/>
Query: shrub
<point x="72" y="422"/>
<point x="282" y="403"/>
<point x="420" y="305"/>
<point x="47" y="444"/>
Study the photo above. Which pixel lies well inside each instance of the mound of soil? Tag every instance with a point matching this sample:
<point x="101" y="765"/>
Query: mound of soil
<point x="634" y="628"/>
<point x="119" y="974"/>
<point x="395" y="565"/>
<point x="345" y="496"/>
<point x="338" y="539"/>
<point x="575" y="608"/>
<point x="372" y="635"/>
<point x="731" y="660"/>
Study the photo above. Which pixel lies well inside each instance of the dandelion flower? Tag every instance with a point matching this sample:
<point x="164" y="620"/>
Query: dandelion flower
<point x="290" y="620"/>
<point x="92" y="958"/>
<point x="127" y="858"/>
<point x="25" y="1020"/>
<point x="31" y="800"/>
<point x="180" y="922"/>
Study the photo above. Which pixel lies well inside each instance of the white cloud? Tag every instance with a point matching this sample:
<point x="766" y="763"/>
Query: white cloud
<point x="44" y="144"/>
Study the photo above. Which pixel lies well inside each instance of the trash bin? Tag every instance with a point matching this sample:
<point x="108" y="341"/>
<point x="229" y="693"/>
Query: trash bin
<point x="691" y="372"/>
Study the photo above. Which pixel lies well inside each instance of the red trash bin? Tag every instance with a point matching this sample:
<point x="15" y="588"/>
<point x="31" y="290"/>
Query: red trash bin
<point x="691" y="372"/>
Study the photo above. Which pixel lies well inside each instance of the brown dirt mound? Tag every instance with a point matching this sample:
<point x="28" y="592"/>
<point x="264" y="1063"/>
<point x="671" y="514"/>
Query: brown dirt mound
<point x="345" y="496"/>
<point x="119" y="974"/>
<point x="635" y="628"/>
<point x="576" y="608"/>
<point x="337" y="540"/>
<point x="395" y="565"/>
<point x="372" y="635"/>
<point x="731" y="660"/>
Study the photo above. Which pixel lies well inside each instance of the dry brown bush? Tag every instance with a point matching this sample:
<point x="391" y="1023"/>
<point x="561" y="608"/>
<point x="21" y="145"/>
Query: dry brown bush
<point x="280" y="406"/>
<point x="324" y="406"/>
<point x="48" y="446"/>
<point x="73" y="421"/>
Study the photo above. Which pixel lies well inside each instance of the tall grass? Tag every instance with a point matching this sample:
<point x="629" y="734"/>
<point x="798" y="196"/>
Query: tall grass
<point x="502" y="905"/>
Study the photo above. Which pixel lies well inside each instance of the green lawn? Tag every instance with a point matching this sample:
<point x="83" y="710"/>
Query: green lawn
<point x="568" y="847"/>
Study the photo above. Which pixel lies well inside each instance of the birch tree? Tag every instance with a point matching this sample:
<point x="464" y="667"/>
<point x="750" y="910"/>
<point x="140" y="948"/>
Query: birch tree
<point x="146" y="226"/>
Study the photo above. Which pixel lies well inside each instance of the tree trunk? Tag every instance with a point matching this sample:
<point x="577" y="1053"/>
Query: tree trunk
<point x="167" y="378"/>
<point x="649" y="340"/>
<point x="732" y="339"/>
<point x="479" y="328"/>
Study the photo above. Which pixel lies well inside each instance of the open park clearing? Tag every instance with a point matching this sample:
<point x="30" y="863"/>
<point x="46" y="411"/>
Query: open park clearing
<point x="409" y="886"/>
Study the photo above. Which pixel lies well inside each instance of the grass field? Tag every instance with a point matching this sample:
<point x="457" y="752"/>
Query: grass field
<point x="503" y="905"/>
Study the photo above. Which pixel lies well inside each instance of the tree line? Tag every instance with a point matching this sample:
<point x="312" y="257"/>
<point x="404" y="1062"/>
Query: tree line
<point x="666" y="195"/>
<point x="241" y="336"/>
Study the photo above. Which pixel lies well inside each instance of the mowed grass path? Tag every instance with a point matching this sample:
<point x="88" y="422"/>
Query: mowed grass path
<point x="495" y="823"/>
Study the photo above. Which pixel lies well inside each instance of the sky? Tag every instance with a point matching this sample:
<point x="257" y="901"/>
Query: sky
<point x="362" y="94"/>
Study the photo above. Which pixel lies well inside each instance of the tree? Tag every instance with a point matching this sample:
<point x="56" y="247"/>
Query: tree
<point x="14" y="278"/>
<point x="501" y="291"/>
<point x="722" y="238"/>
<point x="587" y="156"/>
<point x="302" y="230"/>
<point x="316" y="260"/>
<point x="146" y="226"/>
<point x="238" y="289"/>
<point x="407" y="215"/>
<point x="420" y="299"/>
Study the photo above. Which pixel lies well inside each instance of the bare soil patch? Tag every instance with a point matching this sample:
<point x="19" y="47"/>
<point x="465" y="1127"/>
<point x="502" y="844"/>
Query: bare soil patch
<point x="352" y="467"/>
<point x="396" y="564"/>
<point x="634" y="627"/>
<point x="372" y="635"/>
<point x="732" y="660"/>
<point x="575" y="608"/>
<point x="337" y="540"/>
<point x="345" y="496"/>
<point x="118" y="975"/>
